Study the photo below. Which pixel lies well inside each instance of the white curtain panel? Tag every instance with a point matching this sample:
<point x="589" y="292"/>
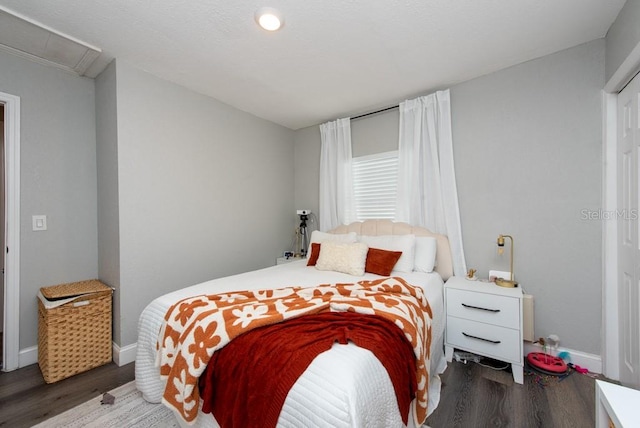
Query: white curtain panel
<point x="427" y="192"/>
<point x="337" y="205"/>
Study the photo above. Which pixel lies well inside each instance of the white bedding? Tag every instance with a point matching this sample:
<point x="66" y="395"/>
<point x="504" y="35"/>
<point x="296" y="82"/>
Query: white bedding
<point x="327" y="393"/>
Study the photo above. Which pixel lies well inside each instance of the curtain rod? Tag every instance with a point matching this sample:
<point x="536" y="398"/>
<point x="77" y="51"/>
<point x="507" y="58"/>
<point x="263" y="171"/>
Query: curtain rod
<point x="375" y="112"/>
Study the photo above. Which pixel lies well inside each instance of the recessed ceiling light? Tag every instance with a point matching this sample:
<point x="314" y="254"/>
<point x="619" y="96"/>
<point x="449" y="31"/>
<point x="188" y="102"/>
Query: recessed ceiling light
<point x="269" y="18"/>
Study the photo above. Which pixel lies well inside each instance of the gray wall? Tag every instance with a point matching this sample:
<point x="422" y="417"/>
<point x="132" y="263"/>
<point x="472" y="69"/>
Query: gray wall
<point x="58" y="178"/>
<point x="623" y="36"/>
<point x="377" y="133"/>
<point x="205" y="190"/>
<point x="307" y="168"/>
<point x="108" y="203"/>
<point x="527" y="146"/>
<point x="528" y="150"/>
<point x="184" y="188"/>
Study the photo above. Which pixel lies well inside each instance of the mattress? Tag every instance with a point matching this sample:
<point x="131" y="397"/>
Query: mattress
<point x="331" y="392"/>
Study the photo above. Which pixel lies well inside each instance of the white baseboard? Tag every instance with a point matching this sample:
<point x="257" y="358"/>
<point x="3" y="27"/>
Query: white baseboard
<point x="121" y="356"/>
<point x="591" y="362"/>
<point x="27" y="356"/>
<point x="124" y="355"/>
<point x="127" y="354"/>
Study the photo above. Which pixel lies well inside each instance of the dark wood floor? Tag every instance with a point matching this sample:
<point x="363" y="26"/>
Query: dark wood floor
<point x="25" y="398"/>
<point x="472" y="396"/>
<point x="476" y="396"/>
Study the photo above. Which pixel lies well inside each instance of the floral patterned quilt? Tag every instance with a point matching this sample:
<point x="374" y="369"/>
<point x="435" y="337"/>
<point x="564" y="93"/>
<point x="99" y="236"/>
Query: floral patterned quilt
<point x="194" y="328"/>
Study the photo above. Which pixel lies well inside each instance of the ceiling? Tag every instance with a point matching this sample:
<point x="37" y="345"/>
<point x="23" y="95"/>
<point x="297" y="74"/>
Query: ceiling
<point x="332" y="58"/>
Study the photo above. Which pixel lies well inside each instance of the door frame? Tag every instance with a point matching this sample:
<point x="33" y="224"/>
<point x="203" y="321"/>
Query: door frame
<point x="611" y="335"/>
<point x="11" y="334"/>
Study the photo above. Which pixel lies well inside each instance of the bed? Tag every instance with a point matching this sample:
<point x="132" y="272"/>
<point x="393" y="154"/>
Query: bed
<point x="345" y="386"/>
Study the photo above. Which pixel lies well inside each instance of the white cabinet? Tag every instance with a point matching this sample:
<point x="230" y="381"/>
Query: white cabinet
<point x="485" y="319"/>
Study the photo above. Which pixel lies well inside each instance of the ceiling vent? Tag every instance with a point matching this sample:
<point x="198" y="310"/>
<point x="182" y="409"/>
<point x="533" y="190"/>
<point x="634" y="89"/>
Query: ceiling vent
<point x="29" y="39"/>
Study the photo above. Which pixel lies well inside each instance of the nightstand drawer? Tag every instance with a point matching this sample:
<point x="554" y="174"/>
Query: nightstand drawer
<point x="487" y="308"/>
<point x="490" y="340"/>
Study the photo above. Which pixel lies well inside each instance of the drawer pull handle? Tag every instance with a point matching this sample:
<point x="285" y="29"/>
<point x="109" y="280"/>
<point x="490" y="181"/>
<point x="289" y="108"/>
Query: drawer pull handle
<point x="482" y="309"/>
<point x="481" y="338"/>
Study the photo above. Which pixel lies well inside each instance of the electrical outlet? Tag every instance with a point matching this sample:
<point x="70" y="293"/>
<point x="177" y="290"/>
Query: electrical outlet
<point x="39" y="223"/>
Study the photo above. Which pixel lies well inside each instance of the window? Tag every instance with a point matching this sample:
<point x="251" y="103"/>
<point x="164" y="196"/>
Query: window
<point x="375" y="179"/>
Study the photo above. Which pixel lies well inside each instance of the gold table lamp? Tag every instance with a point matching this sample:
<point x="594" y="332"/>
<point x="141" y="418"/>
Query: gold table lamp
<point x="509" y="283"/>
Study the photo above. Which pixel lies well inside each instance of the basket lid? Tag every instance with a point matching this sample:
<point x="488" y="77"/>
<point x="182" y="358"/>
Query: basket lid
<point x="63" y="291"/>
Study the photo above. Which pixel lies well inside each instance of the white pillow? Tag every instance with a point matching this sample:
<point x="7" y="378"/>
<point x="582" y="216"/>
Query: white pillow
<point x="341" y="257"/>
<point x="320" y="237"/>
<point x="425" y="259"/>
<point x="404" y="243"/>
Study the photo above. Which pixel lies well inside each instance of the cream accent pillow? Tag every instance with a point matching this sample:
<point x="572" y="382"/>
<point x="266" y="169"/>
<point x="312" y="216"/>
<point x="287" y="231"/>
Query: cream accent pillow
<point x="320" y="237"/>
<point x="425" y="259"/>
<point x="404" y="243"/>
<point x="341" y="257"/>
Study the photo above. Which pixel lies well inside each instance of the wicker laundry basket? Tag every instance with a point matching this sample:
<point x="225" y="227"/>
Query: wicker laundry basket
<point x="76" y="335"/>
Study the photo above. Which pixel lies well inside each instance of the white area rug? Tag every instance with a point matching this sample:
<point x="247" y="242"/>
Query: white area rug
<point x="129" y="410"/>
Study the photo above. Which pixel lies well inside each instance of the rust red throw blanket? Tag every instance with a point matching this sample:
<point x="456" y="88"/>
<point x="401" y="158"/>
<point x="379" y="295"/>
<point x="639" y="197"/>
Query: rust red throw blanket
<point x="247" y="381"/>
<point x="196" y="328"/>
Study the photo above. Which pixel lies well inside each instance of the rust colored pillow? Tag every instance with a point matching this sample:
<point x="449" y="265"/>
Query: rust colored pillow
<point x="381" y="262"/>
<point x="315" y="253"/>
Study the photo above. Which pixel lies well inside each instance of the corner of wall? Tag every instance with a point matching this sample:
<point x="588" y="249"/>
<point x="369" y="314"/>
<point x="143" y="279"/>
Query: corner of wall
<point x="124" y="355"/>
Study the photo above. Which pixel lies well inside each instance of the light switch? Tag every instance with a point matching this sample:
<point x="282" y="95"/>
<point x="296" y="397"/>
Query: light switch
<point x="39" y="222"/>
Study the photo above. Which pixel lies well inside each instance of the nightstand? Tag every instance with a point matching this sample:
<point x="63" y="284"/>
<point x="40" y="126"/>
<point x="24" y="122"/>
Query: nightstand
<point x="616" y="405"/>
<point x="485" y="319"/>
<point x="283" y="260"/>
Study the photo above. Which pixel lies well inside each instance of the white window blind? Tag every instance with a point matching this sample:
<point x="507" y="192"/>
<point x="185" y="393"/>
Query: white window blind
<point x="375" y="182"/>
